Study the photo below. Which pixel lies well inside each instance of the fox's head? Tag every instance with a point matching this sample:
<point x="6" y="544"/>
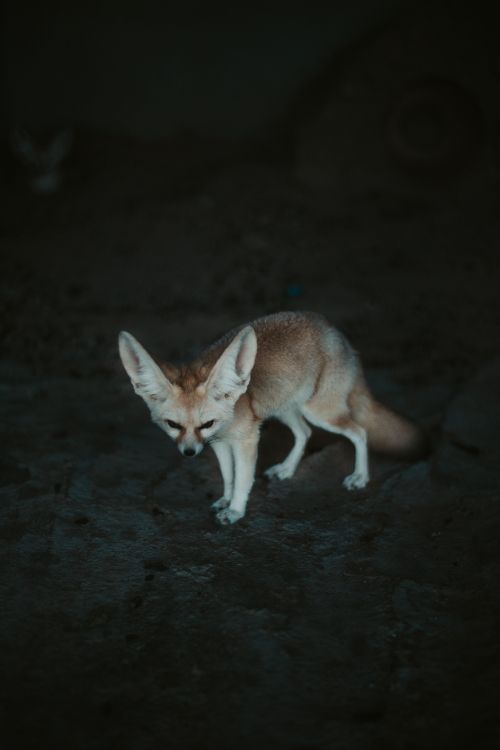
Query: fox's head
<point x="190" y="413"/>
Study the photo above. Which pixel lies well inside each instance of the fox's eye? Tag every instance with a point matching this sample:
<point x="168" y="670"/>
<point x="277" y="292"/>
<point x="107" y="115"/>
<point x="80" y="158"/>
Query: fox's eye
<point x="207" y="425"/>
<point x="173" y="425"/>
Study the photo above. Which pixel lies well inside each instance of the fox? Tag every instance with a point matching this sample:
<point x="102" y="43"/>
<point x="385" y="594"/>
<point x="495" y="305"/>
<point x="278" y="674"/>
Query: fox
<point x="291" y="366"/>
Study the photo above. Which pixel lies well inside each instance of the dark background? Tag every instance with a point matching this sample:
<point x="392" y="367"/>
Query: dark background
<point x="175" y="170"/>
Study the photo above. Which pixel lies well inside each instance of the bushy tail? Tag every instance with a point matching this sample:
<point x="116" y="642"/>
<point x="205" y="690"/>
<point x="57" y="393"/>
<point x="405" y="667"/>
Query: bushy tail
<point x="387" y="431"/>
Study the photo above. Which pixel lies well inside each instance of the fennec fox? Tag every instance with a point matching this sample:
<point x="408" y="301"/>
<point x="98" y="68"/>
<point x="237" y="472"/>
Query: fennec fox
<point x="291" y="366"/>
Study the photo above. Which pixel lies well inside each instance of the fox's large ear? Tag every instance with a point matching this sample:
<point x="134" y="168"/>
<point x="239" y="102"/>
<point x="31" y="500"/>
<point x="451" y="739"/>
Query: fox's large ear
<point x="230" y="375"/>
<point x="148" y="380"/>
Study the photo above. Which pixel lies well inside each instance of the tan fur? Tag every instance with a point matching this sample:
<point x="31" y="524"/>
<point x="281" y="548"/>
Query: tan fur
<point x="388" y="432"/>
<point x="294" y="367"/>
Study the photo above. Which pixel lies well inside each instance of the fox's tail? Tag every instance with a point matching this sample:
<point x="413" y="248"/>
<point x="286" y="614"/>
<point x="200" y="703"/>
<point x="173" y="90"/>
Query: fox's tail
<point x="387" y="431"/>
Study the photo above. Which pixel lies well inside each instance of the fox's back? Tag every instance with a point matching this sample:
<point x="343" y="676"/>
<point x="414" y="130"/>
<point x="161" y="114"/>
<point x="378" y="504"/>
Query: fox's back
<point x="292" y="350"/>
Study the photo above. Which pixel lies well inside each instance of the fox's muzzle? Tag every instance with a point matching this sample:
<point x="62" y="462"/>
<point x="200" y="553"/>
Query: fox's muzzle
<point x="191" y="450"/>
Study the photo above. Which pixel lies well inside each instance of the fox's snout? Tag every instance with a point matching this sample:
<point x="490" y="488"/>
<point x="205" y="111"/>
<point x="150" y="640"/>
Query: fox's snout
<point x="190" y="450"/>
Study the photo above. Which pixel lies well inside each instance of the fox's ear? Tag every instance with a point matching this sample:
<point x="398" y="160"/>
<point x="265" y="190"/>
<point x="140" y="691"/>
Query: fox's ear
<point x="230" y="375"/>
<point x="147" y="378"/>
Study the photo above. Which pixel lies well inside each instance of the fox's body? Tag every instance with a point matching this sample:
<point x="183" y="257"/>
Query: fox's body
<point x="294" y="367"/>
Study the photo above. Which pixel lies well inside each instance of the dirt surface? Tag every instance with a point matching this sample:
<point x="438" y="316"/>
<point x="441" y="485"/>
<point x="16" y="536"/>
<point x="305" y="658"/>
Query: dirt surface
<point x="325" y="619"/>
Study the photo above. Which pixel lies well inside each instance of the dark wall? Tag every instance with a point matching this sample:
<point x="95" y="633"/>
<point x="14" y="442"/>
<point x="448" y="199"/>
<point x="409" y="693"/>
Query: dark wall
<point x="152" y="68"/>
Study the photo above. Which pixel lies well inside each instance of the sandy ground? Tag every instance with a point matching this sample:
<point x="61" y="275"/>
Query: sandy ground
<point x="325" y="619"/>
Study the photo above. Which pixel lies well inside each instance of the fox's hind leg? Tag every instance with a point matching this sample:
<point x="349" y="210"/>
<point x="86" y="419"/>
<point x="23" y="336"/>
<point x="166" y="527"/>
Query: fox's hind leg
<point x="301" y="432"/>
<point x="316" y="413"/>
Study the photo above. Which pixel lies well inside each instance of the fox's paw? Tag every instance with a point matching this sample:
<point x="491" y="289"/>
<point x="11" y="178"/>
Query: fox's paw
<point x="280" y="471"/>
<point x="221" y="503"/>
<point x="355" y="481"/>
<point x="228" y="516"/>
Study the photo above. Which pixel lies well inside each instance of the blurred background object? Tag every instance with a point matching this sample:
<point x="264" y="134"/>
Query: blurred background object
<point x="42" y="162"/>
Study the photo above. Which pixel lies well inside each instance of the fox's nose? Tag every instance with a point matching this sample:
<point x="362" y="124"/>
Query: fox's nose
<point x="189" y="452"/>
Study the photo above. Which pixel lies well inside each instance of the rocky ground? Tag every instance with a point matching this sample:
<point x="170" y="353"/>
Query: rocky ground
<point x="325" y="619"/>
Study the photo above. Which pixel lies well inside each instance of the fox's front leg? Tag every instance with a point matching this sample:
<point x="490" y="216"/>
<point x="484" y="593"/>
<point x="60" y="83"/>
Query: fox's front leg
<point x="245" y="457"/>
<point x="224" y="454"/>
